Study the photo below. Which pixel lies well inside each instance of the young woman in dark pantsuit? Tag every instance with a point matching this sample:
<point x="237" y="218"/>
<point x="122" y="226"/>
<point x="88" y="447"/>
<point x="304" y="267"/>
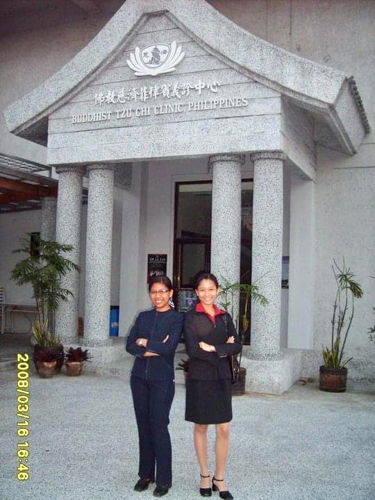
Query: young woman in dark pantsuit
<point x="210" y="338"/>
<point x="153" y="341"/>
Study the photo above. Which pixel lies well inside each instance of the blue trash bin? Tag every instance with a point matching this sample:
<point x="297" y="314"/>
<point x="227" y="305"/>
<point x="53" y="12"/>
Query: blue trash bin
<point x="113" y="321"/>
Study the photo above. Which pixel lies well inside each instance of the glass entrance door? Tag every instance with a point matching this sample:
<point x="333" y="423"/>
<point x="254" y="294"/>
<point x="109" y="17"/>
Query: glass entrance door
<point x="192" y="243"/>
<point x="193" y="256"/>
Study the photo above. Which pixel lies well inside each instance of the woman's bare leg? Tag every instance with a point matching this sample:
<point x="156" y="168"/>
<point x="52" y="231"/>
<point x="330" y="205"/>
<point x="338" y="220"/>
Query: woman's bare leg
<point x="221" y="453"/>
<point x="200" y="443"/>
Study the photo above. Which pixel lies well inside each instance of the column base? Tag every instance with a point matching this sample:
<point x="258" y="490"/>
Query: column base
<point x="273" y="377"/>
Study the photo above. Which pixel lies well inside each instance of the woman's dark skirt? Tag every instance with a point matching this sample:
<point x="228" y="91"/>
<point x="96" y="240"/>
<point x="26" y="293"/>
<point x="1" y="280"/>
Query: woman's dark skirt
<point x="208" y="401"/>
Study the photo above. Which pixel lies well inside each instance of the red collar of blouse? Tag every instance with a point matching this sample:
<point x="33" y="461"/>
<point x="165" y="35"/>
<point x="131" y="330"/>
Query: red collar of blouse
<point x="199" y="308"/>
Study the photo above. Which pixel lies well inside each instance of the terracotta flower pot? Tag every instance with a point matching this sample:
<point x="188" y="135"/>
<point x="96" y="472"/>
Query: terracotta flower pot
<point x="332" y="380"/>
<point x="58" y="353"/>
<point x="74" y="368"/>
<point x="46" y="369"/>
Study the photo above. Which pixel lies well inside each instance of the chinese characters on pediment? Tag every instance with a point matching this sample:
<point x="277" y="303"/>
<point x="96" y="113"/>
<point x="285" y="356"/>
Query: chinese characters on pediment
<point x="165" y="91"/>
<point x="142" y="101"/>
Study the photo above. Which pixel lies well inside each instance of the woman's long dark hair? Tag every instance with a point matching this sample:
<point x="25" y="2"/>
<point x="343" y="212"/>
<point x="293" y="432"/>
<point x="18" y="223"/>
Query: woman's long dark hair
<point x="164" y="280"/>
<point x="205" y="276"/>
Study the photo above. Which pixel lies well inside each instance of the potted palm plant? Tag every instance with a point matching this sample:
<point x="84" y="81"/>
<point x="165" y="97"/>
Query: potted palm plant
<point x="75" y="358"/>
<point x="247" y="294"/>
<point x="43" y="269"/>
<point x="333" y="373"/>
<point x="48" y="351"/>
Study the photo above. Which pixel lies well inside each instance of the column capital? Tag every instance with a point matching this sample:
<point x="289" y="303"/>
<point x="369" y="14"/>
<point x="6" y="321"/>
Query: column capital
<point x="61" y="169"/>
<point x="226" y="157"/>
<point x="100" y="166"/>
<point x="268" y="155"/>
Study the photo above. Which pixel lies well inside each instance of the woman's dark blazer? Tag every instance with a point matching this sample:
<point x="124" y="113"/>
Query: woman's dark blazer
<point x="209" y="365"/>
<point x="155" y="326"/>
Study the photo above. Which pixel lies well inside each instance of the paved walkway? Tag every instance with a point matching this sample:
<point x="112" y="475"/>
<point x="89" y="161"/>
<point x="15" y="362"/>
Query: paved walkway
<point x="303" y="445"/>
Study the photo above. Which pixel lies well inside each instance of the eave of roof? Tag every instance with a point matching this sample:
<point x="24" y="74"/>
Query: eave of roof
<point x="313" y="86"/>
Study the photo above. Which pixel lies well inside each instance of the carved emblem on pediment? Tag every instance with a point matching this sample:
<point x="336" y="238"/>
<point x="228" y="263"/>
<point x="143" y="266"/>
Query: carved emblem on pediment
<point x="155" y="59"/>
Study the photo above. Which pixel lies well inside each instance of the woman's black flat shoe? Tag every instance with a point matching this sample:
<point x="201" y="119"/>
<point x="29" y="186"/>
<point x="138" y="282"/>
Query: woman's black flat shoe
<point x="205" y="492"/>
<point x="225" y="495"/>
<point x="142" y="484"/>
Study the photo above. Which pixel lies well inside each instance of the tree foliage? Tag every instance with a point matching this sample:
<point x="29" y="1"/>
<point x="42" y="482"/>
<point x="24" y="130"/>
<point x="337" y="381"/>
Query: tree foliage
<point x="43" y="270"/>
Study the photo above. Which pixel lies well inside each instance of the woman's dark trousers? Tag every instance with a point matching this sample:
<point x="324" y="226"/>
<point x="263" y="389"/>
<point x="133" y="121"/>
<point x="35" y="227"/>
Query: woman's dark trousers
<point x="152" y="403"/>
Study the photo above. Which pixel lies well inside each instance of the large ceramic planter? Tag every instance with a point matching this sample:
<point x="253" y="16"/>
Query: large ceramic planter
<point x="58" y="354"/>
<point x="238" y="388"/>
<point x="46" y="369"/>
<point x="74" y="368"/>
<point x="332" y="380"/>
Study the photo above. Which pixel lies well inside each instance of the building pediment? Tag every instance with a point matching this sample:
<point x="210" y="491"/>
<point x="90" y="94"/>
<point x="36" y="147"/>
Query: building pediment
<point x="195" y="46"/>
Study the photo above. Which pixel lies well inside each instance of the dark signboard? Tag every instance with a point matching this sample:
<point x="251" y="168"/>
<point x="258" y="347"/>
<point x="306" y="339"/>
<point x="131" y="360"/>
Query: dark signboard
<point x="156" y="265"/>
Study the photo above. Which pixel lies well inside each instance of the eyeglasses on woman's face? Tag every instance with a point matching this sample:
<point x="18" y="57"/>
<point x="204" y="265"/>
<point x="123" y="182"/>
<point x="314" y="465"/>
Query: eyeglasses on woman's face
<point x="159" y="292"/>
<point x="160" y="297"/>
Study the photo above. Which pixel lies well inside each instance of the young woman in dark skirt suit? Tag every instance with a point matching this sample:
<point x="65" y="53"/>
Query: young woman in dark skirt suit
<point x="210" y="338"/>
<point x="153" y="341"/>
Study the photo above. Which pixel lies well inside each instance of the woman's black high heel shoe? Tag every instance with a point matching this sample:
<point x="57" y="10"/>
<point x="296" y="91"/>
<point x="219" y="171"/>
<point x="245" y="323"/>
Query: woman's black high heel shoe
<point x="222" y="494"/>
<point x="205" y="492"/>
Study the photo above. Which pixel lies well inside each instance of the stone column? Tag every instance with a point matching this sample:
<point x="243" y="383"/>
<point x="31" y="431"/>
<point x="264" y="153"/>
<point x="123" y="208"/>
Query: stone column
<point x="302" y="264"/>
<point x="226" y="219"/>
<point x="48" y="229"/>
<point x="68" y="231"/>
<point x="267" y="254"/>
<point x="98" y="254"/>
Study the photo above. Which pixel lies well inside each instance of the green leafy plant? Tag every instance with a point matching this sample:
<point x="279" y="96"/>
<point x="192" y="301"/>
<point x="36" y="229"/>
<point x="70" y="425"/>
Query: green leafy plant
<point x="43" y="336"/>
<point x="248" y="293"/>
<point x="77" y="355"/>
<point x="43" y="270"/>
<point x="347" y="290"/>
